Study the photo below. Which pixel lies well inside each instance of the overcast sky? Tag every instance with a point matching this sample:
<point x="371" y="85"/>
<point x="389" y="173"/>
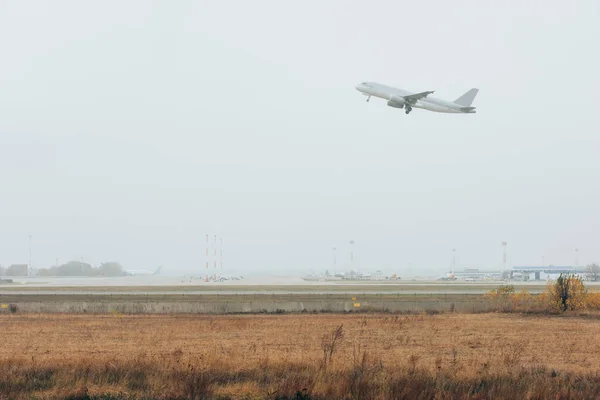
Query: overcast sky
<point x="130" y="129"/>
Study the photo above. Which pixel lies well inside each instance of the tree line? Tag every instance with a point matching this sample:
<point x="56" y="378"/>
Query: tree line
<point x="78" y="268"/>
<point x="72" y="268"/>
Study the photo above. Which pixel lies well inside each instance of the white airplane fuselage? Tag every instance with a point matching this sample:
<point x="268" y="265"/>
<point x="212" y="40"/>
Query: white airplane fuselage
<point x="138" y="272"/>
<point x="428" y="103"/>
<point x="142" y="272"/>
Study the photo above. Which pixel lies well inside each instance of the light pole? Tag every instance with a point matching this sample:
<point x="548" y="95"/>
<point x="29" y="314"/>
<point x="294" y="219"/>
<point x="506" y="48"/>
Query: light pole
<point x="504" y="244"/>
<point x="352" y="255"/>
<point x="334" y="260"/>
<point x="453" y="261"/>
<point x="576" y="257"/>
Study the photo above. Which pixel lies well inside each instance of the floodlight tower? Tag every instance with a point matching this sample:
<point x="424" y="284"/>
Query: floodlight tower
<point x="352" y="255"/>
<point x="29" y="269"/>
<point x="206" y="261"/>
<point x="504" y="244"/>
<point x="453" y="261"/>
<point x="206" y="247"/>
<point x="215" y="257"/>
<point x="334" y="260"/>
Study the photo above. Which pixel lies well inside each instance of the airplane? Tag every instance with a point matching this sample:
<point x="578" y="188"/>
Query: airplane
<point x="399" y="98"/>
<point x="140" y="272"/>
<point x="448" y="277"/>
<point x="222" y="278"/>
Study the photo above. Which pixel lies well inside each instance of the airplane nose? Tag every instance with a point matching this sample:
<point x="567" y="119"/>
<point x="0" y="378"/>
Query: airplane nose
<point x="358" y="87"/>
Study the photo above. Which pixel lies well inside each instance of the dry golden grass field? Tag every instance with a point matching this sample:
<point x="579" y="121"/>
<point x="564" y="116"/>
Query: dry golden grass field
<point x="373" y="356"/>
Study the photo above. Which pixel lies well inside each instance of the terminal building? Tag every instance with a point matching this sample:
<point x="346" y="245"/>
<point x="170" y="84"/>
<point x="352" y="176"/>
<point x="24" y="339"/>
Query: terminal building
<point x="526" y="271"/>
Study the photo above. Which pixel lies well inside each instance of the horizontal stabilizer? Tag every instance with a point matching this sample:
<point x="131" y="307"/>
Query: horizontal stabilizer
<point x="467" y="109"/>
<point x="467" y="98"/>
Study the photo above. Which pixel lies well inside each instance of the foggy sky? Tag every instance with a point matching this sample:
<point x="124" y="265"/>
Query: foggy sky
<point x="129" y="130"/>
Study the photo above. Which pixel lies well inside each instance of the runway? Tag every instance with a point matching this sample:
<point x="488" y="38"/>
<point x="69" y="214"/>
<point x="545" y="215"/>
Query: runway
<point x="166" y="295"/>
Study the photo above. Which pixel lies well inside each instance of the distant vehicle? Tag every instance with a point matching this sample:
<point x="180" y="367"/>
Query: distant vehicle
<point x="142" y="272"/>
<point x="399" y="98"/>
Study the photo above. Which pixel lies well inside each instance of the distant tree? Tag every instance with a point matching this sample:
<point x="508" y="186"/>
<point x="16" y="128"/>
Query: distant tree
<point x="16" y="270"/>
<point x="74" y="268"/>
<point x="78" y="268"/>
<point x="111" y="269"/>
<point x="593" y="272"/>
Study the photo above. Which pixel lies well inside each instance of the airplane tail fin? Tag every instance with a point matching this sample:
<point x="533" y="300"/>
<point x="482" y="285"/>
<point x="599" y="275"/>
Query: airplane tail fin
<point x="157" y="270"/>
<point x="467" y="99"/>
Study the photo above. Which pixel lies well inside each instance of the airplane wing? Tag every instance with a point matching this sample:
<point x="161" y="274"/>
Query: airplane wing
<point x="413" y="98"/>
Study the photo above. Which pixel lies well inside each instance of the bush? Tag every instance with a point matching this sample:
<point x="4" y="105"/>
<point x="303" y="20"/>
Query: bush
<point x="13" y="308"/>
<point x="504" y="290"/>
<point x="501" y="297"/>
<point x="522" y="300"/>
<point x="567" y="293"/>
<point x="592" y="300"/>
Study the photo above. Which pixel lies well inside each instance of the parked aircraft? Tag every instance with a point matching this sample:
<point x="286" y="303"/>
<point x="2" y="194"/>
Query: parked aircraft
<point x="222" y="278"/>
<point x="450" y="276"/>
<point x="399" y="98"/>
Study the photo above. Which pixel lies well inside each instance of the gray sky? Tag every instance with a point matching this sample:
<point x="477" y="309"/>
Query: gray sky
<point x="129" y="130"/>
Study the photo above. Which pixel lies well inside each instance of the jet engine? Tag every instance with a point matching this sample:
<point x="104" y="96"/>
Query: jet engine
<point x="396" y="102"/>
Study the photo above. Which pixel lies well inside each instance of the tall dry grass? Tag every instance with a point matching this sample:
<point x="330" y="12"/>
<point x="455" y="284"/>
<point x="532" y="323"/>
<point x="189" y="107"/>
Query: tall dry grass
<point x="567" y="293"/>
<point x="366" y="356"/>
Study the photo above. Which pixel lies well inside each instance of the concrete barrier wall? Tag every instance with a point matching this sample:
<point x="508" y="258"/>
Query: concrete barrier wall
<point x="263" y="306"/>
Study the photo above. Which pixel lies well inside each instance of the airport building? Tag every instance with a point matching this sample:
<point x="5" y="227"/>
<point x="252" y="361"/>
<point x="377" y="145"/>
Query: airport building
<point x="526" y="271"/>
